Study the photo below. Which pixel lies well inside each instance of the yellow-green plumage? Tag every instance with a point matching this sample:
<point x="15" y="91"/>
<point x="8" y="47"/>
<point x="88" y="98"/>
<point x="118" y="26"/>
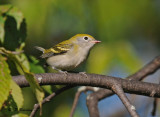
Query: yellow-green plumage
<point x="70" y="53"/>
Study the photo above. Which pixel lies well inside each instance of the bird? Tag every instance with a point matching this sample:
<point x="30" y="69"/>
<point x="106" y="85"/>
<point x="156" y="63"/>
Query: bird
<point x="68" y="54"/>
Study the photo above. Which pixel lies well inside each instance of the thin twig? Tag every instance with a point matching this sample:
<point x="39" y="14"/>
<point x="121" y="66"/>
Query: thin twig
<point x="75" y="103"/>
<point x="155" y="102"/>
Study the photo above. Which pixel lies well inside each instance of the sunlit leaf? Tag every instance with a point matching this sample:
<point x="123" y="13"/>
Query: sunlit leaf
<point x="35" y="86"/>
<point x="17" y="94"/>
<point x="23" y="60"/>
<point x="48" y="89"/>
<point x="12" y="11"/>
<point x="29" y="76"/>
<point x="31" y="79"/>
<point x="5" y="79"/>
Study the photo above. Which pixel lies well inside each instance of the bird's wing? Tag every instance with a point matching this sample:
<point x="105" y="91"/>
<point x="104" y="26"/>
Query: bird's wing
<point x="57" y="50"/>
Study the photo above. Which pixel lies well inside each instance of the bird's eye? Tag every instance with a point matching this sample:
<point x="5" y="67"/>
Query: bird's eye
<point x="85" y="38"/>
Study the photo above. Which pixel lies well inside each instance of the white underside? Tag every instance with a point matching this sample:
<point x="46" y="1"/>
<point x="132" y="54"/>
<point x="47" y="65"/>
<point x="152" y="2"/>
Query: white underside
<point x="67" y="61"/>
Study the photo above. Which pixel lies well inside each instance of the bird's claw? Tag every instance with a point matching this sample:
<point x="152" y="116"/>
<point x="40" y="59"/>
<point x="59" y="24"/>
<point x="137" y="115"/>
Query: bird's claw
<point x="64" y="72"/>
<point x="83" y="73"/>
<point x="60" y="71"/>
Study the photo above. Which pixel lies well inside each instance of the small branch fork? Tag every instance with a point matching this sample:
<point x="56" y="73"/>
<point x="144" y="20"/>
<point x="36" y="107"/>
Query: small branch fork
<point x="80" y="90"/>
<point x="92" y="101"/>
<point x="94" y="80"/>
<point x="48" y="98"/>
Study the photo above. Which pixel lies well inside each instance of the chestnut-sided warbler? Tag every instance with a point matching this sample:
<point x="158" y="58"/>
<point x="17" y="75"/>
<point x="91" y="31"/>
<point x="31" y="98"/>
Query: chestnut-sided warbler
<point x="69" y="54"/>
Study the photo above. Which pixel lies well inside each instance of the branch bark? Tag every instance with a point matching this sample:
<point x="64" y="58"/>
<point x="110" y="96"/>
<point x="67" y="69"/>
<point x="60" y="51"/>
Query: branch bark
<point x="95" y="80"/>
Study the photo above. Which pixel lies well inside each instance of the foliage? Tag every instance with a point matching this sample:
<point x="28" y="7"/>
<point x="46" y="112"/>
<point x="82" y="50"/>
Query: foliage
<point x="5" y="81"/>
<point x="12" y="41"/>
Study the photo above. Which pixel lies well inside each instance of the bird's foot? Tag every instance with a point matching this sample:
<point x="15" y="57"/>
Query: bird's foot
<point x="60" y="71"/>
<point x="83" y="73"/>
<point x="64" y="72"/>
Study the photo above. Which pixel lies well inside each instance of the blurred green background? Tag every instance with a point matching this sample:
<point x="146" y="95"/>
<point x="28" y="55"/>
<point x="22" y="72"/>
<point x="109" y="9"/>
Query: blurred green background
<point x="129" y="31"/>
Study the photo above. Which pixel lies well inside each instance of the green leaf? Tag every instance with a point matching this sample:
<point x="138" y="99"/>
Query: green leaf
<point x="34" y="67"/>
<point x="17" y="14"/>
<point x="5" y="79"/>
<point x="48" y="89"/>
<point x="34" y="60"/>
<point x="17" y="94"/>
<point x="12" y="27"/>
<point x="35" y="86"/>
<point x="13" y="37"/>
<point x="14" y="102"/>
<point x="11" y="34"/>
<point x="29" y="76"/>
<point x="31" y="79"/>
<point x="9" y="108"/>
<point x="12" y="11"/>
<point x="24" y="61"/>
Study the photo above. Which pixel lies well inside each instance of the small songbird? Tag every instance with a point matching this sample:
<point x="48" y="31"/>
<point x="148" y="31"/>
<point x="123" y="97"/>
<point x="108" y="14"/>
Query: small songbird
<point x="69" y="54"/>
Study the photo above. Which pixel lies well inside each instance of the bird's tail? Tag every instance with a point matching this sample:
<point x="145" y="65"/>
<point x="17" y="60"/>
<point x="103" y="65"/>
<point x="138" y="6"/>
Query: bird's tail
<point x="40" y="48"/>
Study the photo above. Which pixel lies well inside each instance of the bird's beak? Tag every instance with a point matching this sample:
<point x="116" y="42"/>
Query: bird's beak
<point x="95" y="41"/>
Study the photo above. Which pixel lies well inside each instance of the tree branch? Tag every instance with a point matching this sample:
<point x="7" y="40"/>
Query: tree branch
<point x="95" y="80"/>
<point x="148" y="69"/>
